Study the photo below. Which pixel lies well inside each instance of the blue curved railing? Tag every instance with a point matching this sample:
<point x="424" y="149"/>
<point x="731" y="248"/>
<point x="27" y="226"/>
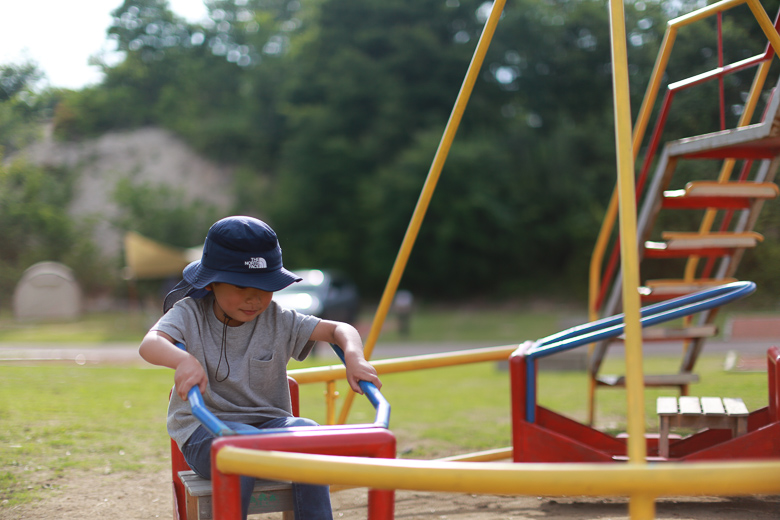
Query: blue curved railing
<point x="614" y="326"/>
<point x="375" y="397"/>
<point x="220" y="429"/>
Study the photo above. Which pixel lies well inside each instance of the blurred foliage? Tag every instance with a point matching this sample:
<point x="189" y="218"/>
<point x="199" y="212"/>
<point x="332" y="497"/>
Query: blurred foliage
<point x="35" y="226"/>
<point x="22" y="107"/>
<point x="331" y="112"/>
<point x="161" y="213"/>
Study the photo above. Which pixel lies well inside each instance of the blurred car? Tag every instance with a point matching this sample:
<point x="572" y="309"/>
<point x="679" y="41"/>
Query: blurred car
<point x="327" y="294"/>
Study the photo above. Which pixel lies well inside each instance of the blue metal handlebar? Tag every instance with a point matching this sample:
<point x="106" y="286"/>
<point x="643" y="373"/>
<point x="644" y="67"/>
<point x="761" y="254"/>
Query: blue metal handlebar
<point x="206" y="418"/>
<point x="220" y="429"/>
<point x="614" y="326"/>
<point x="381" y="405"/>
<point x="199" y="410"/>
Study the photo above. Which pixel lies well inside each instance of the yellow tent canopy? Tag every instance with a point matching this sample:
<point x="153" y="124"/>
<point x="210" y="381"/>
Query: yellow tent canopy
<point x="148" y="259"/>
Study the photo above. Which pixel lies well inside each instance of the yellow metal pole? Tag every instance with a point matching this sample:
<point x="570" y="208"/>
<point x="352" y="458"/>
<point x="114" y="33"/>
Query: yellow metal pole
<point x="644" y="116"/>
<point x="508" y="478"/>
<point x="766" y="24"/>
<point x="705" y="12"/>
<point x="602" y="241"/>
<point x="642" y="121"/>
<point x="628" y="240"/>
<point x="641" y="506"/>
<point x="405" y="364"/>
<point x="653" y="86"/>
<point x="330" y="401"/>
<point x="428" y="188"/>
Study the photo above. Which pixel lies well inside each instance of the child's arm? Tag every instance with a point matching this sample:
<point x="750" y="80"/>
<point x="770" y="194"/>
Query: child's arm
<point x="348" y="338"/>
<point x="158" y="348"/>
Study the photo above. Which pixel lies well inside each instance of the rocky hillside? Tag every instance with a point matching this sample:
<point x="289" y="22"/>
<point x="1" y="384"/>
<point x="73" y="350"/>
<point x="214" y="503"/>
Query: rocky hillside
<point x="148" y="156"/>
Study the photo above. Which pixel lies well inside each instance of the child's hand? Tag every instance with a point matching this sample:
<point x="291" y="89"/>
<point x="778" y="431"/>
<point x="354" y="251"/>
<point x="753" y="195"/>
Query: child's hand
<point x="348" y="338"/>
<point x="358" y="369"/>
<point x="188" y="374"/>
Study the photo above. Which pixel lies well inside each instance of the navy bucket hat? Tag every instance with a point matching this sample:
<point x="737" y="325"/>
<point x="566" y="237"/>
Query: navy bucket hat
<point x="242" y="251"/>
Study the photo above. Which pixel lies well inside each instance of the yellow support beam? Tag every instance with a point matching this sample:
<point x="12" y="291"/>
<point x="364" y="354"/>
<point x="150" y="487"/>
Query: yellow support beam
<point x="637" y="448"/>
<point x="407" y="364"/>
<point x="506" y="478"/>
<point x="434" y="173"/>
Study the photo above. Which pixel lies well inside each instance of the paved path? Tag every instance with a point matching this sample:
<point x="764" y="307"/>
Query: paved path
<point x="127" y="353"/>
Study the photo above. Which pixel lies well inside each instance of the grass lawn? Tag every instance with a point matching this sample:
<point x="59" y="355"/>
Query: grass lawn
<point x="56" y="418"/>
<point x="102" y="327"/>
<point x="427" y="324"/>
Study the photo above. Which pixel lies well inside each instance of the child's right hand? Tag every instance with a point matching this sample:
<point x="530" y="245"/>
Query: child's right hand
<point x="189" y="373"/>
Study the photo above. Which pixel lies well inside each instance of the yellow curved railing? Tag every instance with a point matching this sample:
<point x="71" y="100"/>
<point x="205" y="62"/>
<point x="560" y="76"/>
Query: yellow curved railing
<point x="641" y="483"/>
<point x="330" y="374"/>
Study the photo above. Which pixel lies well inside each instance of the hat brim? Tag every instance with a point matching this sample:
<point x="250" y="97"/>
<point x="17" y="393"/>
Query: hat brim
<point x="199" y="276"/>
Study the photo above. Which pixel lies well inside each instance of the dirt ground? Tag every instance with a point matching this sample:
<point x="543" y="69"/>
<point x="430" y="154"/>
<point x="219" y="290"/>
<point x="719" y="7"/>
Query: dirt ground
<point x="142" y="496"/>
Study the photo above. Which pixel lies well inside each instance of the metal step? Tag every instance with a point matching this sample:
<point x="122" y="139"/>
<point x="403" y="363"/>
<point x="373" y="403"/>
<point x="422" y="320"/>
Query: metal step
<point x="677" y="334"/>
<point x="719" y="195"/>
<point x="657" y="380"/>
<point x="683" y="244"/>
<point x="664" y="289"/>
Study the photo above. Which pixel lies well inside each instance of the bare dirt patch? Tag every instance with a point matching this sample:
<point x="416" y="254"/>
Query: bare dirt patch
<point x="144" y="495"/>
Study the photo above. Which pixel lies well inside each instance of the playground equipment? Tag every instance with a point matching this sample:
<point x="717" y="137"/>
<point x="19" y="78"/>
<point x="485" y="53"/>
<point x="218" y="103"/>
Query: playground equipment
<point x="641" y="482"/>
<point x="192" y="495"/>
<point x="541" y="435"/>
<point x="730" y="203"/>
<point x="194" y="498"/>
<point x="534" y="425"/>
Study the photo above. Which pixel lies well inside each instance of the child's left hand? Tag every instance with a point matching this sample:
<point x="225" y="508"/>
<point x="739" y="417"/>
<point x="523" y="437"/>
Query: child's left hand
<point x="348" y="338"/>
<point x="358" y="369"/>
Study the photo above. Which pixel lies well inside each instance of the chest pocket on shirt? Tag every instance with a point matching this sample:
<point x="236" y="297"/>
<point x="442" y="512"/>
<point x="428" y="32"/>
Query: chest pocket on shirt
<point x="264" y="372"/>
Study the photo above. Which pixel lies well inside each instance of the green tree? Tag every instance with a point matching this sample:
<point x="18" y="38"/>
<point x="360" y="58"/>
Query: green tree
<point x="332" y="110"/>
<point x="162" y="213"/>
<point x="376" y="83"/>
<point x="23" y="107"/>
<point x="371" y="76"/>
<point x="35" y="227"/>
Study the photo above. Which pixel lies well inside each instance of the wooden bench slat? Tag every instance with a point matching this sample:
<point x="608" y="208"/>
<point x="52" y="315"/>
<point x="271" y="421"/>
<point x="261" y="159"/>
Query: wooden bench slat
<point x="666" y="406"/>
<point x="690" y="405"/>
<point x="712" y="406"/>
<point x="735" y="406"/>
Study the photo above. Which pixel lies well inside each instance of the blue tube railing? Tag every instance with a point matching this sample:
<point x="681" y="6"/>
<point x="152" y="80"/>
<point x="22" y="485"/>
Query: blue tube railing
<point x="206" y="418"/>
<point x="220" y="429"/>
<point x="613" y="326"/>
<point x="378" y="401"/>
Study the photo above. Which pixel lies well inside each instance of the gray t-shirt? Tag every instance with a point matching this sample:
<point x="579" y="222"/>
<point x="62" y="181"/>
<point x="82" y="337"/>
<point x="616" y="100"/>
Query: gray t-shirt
<point x="256" y="388"/>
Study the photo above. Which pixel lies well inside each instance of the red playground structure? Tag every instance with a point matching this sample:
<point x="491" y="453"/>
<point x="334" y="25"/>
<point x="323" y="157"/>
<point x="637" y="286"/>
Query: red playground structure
<point x="542" y="435"/>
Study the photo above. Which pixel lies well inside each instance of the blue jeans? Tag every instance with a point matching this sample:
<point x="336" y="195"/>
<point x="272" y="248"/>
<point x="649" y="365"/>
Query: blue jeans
<point x="311" y="502"/>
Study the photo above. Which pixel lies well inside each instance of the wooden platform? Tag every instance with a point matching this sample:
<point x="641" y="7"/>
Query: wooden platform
<point x="699" y="413"/>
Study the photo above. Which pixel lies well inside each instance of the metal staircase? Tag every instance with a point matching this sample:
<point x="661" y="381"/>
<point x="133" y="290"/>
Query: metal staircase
<point x="729" y="203"/>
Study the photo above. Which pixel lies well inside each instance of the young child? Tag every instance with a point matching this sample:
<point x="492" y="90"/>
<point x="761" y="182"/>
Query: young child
<point x="239" y="342"/>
